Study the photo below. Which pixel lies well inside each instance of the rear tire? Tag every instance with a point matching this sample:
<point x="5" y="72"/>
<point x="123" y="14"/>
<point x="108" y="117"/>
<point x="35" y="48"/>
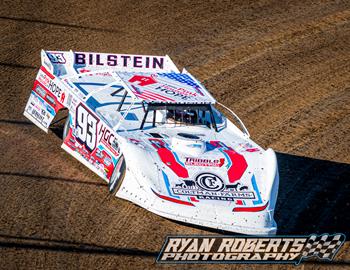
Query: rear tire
<point x="117" y="176"/>
<point x="66" y="128"/>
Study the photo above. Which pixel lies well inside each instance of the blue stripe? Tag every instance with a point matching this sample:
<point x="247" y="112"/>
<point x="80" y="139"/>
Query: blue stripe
<point x="178" y="160"/>
<point x="175" y="155"/>
<point x="167" y="184"/>
<point x="229" y="164"/>
<point x="256" y="189"/>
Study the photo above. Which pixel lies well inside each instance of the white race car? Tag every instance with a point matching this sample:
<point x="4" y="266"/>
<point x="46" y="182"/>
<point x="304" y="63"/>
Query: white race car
<point x="154" y="135"/>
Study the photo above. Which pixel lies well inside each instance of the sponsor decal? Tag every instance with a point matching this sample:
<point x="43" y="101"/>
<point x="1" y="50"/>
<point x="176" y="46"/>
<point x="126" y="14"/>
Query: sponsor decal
<point x="38" y="109"/>
<point x="47" y="82"/>
<point x="249" y="249"/>
<point x="43" y="78"/>
<point x="48" y="100"/>
<point x="38" y="116"/>
<point x="106" y="135"/>
<point x="209" y="181"/>
<point x="85" y="70"/>
<point x="100" y="158"/>
<point x="40" y="91"/>
<point x="204" y="162"/>
<point x="119" y="60"/>
<point x="175" y="92"/>
<point x="142" y="80"/>
<point x="107" y="138"/>
<point x="56" y="90"/>
<point x="249" y="148"/>
<point x="180" y="91"/>
<point x="51" y="100"/>
<point x="67" y="82"/>
<point x="208" y="186"/>
<point x="159" y="84"/>
<point x="69" y="100"/>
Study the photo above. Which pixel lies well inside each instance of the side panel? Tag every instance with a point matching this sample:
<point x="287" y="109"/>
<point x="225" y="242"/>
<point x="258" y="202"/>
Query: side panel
<point x="48" y="96"/>
<point x="91" y="141"/>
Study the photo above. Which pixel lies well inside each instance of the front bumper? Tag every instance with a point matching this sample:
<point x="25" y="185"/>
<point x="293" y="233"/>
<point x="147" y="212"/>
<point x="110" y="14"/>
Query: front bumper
<point x="259" y="222"/>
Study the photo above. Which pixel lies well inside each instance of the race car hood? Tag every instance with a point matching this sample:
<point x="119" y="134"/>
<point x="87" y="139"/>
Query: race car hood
<point x="193" y="167"/>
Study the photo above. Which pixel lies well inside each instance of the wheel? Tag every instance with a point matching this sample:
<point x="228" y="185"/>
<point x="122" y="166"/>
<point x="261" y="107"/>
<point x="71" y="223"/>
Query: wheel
<point x="117" y="176"/>
<point x="66" y="128"/>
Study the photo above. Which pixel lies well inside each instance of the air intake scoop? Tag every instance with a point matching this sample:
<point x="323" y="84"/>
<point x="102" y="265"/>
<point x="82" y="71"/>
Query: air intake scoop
<point x="188" y="144"/>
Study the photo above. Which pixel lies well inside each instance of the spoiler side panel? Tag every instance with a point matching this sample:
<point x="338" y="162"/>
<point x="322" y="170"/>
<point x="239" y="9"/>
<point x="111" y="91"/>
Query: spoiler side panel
<point x="70" y="63"/>
<point x="48" y="96"/>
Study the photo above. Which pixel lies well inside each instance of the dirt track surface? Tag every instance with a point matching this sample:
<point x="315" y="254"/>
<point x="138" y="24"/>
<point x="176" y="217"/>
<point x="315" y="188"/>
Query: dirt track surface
<point x="283" y="66"/>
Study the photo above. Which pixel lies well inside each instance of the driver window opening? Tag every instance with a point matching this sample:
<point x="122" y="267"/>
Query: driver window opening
<point x="178" y="115"/>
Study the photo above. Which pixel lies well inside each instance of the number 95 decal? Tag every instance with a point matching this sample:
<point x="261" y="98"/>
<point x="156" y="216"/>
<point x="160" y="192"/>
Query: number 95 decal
<point x="86" y="127"/>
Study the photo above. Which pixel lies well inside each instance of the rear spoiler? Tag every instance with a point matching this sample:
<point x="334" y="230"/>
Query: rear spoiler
<point x="69" y="63"/>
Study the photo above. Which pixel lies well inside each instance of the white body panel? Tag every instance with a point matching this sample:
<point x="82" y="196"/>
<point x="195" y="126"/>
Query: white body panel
<point x="209" y="173"/>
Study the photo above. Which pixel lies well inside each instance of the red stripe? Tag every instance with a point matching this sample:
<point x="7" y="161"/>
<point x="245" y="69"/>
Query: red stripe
<point x="154" y="97"/>
<point x="141" y="96"/>
<point x="158" y="96"/>
<point x="238" y="162"/>
<point x="172" y="199"/>
<point x="238" y="167"/>
<point x="168" y="158"/>
<point x="144" y="97"/>
<point x="250" y="209"/>
<point x="47" y="72"/>
<point x="147" y="96"/>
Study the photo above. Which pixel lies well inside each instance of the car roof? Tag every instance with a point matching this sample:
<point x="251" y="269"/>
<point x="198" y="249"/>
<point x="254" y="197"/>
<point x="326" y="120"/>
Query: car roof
<point x="169" y="87"/>
<point x="165" y="87"/>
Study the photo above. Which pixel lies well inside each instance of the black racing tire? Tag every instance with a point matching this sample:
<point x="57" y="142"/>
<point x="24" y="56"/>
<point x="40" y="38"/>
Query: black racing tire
<point x="66" y="128"/>
<point x="117" y="177"/>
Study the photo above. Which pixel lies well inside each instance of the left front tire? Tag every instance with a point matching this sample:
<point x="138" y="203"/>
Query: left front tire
<point x="66" y="128"/>
<point x="117" y="176"/>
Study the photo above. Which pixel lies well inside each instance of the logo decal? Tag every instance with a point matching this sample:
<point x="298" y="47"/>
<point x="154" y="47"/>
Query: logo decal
<point x="204" y="162"/>
<point x="209" y="181"/>
<point x="210" y="187"/>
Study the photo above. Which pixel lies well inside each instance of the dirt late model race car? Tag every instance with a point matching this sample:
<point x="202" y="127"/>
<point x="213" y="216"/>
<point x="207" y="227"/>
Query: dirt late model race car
<point x="154" y="135"/>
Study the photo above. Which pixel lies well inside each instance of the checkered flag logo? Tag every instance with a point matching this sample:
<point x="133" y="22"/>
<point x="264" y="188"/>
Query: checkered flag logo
<point x="323" y="246"/>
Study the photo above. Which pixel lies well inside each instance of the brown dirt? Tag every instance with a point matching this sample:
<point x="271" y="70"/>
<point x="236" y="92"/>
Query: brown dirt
<point x="283" y="66"/>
